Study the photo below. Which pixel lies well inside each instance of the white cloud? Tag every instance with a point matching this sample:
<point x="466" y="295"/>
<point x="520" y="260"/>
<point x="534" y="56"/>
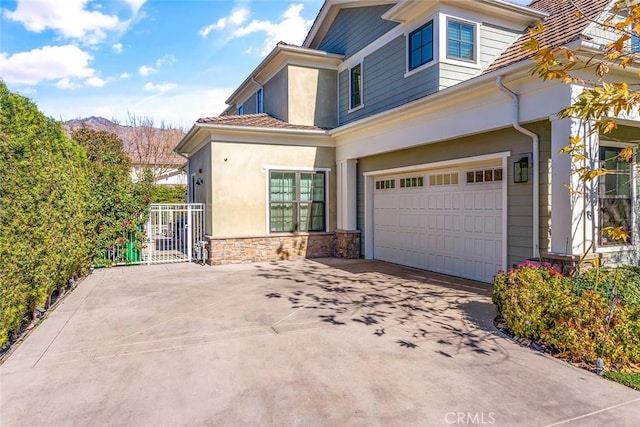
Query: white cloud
<point x="167" y="59"/>
<point x="135" y="5"/>
<point x="292" y="28"/>
<point x="161" y="88"/>
<point x="117" y="48"/>
<point x="237" y="17"/>
<point x="66" y="84"/>
<point x="46" y="63"/>
<point x="95" y="82"/>
<point x="70" y="18"/>
<point x="145" y="70"/>
<point x="124" y="76"/>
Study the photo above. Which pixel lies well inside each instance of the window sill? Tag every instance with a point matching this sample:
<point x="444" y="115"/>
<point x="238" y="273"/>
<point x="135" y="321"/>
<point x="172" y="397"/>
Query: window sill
<point x="615" y="248"/>
<point x="462" y="63"/>
<point x="423" y="67"/>
<point x="352" y="110"/>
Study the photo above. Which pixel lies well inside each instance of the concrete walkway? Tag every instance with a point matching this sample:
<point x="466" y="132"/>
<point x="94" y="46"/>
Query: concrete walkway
<point x="327" y="342"/>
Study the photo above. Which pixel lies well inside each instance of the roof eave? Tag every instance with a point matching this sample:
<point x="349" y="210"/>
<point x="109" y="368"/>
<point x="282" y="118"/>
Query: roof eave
<point x="281" y="49"/>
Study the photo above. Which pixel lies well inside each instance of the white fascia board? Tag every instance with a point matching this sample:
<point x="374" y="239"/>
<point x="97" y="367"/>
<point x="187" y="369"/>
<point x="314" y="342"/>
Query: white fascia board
<point x="269" y="136"/>
<point x="185" y="139"/>
<point x="407" y="10"/>
<point x="442" y="164"/>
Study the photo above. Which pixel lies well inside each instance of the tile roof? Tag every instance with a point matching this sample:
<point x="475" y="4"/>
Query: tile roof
<point x="260" y="120"/>
<point x="561" y="27"/>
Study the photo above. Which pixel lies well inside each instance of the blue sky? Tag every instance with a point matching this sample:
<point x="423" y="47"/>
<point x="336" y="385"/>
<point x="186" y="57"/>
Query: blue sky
<point x="173" y="61"/>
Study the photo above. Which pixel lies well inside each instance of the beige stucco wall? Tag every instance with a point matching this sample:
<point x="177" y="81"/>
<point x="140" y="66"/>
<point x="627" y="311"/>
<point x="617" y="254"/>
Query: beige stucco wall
<point x="312" y="96"/>
<point x="276" y="94"/>
<point x="201" y="160"/>
<point x="239" y="176"/>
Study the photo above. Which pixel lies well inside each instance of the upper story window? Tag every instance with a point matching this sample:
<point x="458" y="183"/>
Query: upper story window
<point x="635" y="43"/>
<point x="421" y="46"/>
<point x="614" y="195"/>
<point x="355" y="87"/>
<point x="241" y="110"/>
<point x="259" y="101"/>
<point x="461" y="41"/>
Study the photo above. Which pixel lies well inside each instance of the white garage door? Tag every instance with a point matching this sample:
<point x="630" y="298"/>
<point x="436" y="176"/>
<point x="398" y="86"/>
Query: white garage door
<point x="449" y="222"/>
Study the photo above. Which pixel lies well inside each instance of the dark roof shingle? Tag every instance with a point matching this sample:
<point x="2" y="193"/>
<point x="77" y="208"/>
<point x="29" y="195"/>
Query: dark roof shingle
<point x="260" y="120"/>
<point x="561" y="27"/>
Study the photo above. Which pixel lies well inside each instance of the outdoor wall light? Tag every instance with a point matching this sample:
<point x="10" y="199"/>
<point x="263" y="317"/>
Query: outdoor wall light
<point x="521" y="170"/>
<point x="199" y="181"/>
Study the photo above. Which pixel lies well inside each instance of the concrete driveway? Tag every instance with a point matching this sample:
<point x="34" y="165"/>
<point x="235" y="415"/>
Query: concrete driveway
<point x="326" y="342"/>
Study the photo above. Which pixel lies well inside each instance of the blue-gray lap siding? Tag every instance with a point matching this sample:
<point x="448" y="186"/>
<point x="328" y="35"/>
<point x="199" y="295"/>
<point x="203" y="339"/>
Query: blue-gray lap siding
<point x="354" y="28"/>
<point x="384" y="84"/>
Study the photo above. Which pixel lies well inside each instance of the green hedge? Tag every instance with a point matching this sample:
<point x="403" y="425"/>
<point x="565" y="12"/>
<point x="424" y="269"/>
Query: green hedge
<point x="117" y="207"/>
<point x="64" y="203"/>
<point x="594" y="315"/>
<point x="44" y="191"/>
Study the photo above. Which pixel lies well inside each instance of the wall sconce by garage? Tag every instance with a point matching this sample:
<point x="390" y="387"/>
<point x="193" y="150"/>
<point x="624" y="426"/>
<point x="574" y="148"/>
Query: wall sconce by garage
<point x="521" y="170"/>
<point x="199" y="181"/>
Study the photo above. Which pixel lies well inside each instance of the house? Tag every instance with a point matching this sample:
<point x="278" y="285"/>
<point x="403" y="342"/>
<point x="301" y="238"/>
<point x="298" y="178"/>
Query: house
<point x="412" y="132"/>
<point x="148" y="147"/>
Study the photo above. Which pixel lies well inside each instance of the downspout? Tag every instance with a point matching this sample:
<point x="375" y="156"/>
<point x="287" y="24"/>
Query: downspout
<point x="534" y="159"/>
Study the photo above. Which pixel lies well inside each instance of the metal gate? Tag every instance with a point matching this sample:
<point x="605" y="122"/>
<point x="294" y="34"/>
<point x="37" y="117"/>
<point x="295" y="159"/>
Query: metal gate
<point x="175" y="233"/>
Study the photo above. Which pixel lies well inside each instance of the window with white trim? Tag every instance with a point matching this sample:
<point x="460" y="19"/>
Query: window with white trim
<point x="386" y="184"/>
<point x="614" y="195"/>
<point x="355" y="87"/>
<point x="259" y="101"/>
<point x="461" y="42"/>
<point x="416" y="181"/>
<point x="448" y="178"/>
<point x="297" y="201"/>
<point x="420" y="49"/>
<point x="635" y="43"/>
<point x="484" y="175"/>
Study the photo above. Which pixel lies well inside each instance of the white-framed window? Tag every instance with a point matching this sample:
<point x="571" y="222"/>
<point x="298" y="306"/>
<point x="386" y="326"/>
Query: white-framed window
<point x="355" y="87"/>
<point x="635" y="43"/>
<point x="413" y="182"/>
<point x="484" y="175"/>
<point x="420" y="46"/>
<point x="461" y="40"/>
<point x="297" y="201"/>
<point x="386" y="184"/>
<point x="259" y="101"/>
<point x="447" y="178"/>
<point x="615" y="196"/>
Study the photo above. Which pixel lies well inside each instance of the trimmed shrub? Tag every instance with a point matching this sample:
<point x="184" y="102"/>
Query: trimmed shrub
<point x="595" y="315"/>
<point x="44" y="193"/>
<point x="522" y="297"/>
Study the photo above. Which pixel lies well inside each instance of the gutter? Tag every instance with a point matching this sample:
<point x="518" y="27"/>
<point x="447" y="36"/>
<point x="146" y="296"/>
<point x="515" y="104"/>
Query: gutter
<point x="534" y="159"/>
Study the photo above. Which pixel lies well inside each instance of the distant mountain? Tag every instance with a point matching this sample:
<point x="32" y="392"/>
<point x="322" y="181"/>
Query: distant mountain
<point x="146" y="145"/>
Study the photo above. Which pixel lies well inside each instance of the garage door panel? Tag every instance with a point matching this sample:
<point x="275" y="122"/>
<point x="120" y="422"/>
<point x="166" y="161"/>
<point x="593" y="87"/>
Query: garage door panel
<point x="454" y="229"/>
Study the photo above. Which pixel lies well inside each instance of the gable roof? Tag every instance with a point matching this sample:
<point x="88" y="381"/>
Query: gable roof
<point x="561" y="27"/>
<point x="260" y="120"/>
